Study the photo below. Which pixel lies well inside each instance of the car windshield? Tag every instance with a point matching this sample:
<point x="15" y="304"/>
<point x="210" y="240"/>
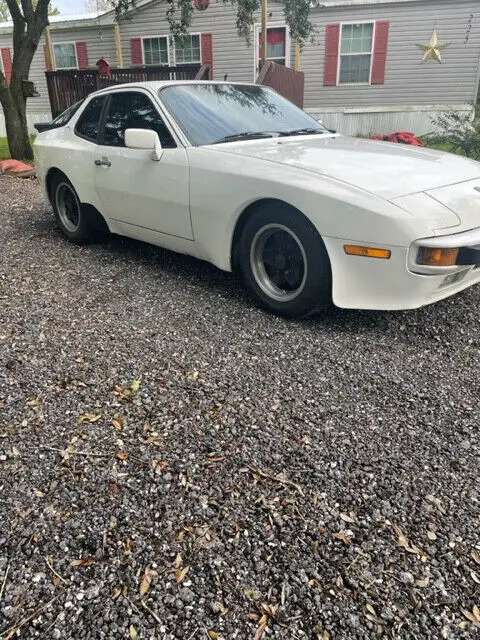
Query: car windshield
<point x="217" y="113"/>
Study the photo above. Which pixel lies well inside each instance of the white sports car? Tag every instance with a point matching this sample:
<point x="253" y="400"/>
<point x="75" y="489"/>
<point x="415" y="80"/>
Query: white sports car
<point x="236" y="175"/>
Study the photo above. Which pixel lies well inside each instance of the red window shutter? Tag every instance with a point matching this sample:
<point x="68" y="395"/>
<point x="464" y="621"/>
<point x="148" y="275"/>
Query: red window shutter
<point x="137" y="51"/>
<point x="7" y="63"/>
<point x="207" y="51"/>
<point x="380" y="49"/>
<point x="332" y="42"/>
<point x="82" y="55"/>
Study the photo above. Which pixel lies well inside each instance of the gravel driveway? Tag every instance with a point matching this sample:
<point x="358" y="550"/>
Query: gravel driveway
<point x="175" y="463"/>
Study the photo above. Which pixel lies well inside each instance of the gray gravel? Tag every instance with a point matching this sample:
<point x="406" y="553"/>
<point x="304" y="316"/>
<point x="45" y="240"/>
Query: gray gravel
<point x="320" y="476"/>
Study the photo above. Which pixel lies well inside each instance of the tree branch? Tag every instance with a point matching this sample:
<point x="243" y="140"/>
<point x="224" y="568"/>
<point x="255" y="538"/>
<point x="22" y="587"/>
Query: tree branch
<point x="15" y="11"/>
<point x="28" y="11"/>
<point x="41" y="13"/>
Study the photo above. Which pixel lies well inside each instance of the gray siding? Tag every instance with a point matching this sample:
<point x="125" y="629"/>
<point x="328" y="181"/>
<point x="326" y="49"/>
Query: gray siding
<point x="407" y="81"/>
<point x="100" y="42"/>
<point x="231" y="54"/>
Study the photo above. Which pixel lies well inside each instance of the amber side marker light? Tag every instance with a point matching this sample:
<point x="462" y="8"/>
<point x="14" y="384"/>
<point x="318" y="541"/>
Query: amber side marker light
<point x="437" y="257"/>
<point x="367" y="252"/>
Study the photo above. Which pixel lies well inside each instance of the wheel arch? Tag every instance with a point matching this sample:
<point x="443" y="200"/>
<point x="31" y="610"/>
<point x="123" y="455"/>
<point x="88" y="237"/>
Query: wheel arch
<point x="246" y="214"/>
<point x="54" y="172"/>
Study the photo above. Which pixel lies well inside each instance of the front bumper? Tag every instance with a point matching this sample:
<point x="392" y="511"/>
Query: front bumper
<point x="469" y="255"/>
<point x="367" y="283"/>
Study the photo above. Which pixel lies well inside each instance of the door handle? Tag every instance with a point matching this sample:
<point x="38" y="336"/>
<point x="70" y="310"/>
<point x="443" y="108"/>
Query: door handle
<point x="103" y="163"/>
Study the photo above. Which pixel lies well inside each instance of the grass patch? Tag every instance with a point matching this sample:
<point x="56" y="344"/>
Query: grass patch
<point x="4" y="152"/>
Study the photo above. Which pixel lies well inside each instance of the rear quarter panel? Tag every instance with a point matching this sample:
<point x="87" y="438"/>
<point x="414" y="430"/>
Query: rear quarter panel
<point x="62" y="149"/>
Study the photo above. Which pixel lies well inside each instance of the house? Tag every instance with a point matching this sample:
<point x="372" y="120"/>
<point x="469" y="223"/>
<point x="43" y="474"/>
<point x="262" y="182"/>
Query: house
<point x="374" y="66"/>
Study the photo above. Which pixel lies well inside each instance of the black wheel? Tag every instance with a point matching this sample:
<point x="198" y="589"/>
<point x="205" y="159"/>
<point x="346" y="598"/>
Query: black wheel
<point x="284" y="261"/>
<point x="77" y="222"/>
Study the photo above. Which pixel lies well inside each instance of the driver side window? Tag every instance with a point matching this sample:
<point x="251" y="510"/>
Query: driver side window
<point x="131" y="110"/>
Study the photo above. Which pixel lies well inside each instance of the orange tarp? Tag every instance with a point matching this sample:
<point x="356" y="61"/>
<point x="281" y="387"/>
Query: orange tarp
<point x="16" y="168"/>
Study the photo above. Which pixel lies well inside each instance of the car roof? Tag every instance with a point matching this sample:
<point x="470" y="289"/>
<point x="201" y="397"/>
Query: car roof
<point x="155" y="85"/>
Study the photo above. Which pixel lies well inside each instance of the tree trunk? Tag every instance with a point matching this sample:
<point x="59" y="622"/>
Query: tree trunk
<point x="14" y="110"/>
<point x="27" y="31"/>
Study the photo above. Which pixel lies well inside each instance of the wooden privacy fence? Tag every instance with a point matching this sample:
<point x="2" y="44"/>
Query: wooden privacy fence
<point x="69" y="86"/>
<point x="288" y="82"/>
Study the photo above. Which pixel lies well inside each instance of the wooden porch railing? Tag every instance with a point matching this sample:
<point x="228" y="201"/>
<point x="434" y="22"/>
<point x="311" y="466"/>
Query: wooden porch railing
<point x="66" y="87"/>
<point x="288" y="82"/>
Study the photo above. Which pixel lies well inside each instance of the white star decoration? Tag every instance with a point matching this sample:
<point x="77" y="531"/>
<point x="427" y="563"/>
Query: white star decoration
<point x="432" y="50"/>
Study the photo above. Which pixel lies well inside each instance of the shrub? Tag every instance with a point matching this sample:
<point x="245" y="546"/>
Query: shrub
<point x="458" y="133"/>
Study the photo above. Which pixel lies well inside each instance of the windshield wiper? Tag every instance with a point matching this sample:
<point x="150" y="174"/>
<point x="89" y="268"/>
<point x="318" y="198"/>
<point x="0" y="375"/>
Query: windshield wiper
<point x="302" y="132"/>
<point x="246" y="135"/>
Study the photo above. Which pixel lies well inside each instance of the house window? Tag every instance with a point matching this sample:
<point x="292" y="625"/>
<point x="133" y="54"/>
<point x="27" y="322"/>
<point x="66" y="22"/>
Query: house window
<point x="155" y="50"/>
<point x="356" y="51"/>
<point x="187" y="50"/>
<point x="65" y="55"/>
<point x="276" y="45"/>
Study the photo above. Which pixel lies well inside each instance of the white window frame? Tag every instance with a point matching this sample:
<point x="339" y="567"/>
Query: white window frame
<point x="55" y="65"/>
<point x="175" y="50"/>
<point x="356" y="84"/>
<point x="257" y="31"/>
<point x="2" y="70"/>
<point x="156" y="37"/>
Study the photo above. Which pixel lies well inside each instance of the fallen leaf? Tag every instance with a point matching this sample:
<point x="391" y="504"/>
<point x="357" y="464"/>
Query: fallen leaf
<point x="89" y="417"/>
<point x="423" y="582"/>
<point x="476" y="556"/>
<point x="180" y="574"/>
<point x="178" y="561"/>
<point x="118" y="422"/>
<point x="15" y="452"/>
<point x="370" y="609"/>
<point x="212" y="634"/>
<point x="83" y="562"/>
<point x="146" y="580"/>
<point x="476" y="613"/>
<point x="116" y="593"/>
<point x="261" y="629"/>
<point x="469" y="615"/>
<point x="475" y="577"/>
<point x="56" y="580"/>
<point x="341" y="536"/>
<point x="347" y="518"/>
<point x="122" y="456"/>
<point x="133" y="632"/>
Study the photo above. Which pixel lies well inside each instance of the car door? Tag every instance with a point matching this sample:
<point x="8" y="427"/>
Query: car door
<point x="132" y="188"/>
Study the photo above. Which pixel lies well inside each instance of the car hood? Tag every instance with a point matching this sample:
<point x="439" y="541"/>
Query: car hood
<point x="388" y="170"/>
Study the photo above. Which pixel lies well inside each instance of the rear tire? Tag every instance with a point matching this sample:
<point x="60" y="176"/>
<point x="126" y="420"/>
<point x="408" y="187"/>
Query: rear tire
<point x="284" y="261"/>
<point x="78" y="222"/>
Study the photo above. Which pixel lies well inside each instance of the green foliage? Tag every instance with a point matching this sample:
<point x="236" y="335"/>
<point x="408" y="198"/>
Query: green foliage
<point x="457" y="134"/>
<point x="179" y="15"/>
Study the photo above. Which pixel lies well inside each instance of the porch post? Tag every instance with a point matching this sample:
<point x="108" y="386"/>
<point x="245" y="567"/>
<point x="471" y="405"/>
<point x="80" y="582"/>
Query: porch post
<point x="297" y="56"/>
<point x="264" y="32"/>
<point x="118" y="44"/>
<point x="48" y="38"/>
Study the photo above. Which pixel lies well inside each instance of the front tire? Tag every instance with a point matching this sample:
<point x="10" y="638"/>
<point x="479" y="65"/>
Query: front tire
<point x="74" y="219"/>
<point x="284" y="261"/>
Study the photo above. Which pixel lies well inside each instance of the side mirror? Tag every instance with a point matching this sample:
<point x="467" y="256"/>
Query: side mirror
<point x="144" y="139"/>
